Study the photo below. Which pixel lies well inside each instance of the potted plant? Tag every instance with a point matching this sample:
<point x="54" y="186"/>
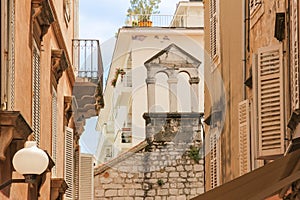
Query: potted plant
<point x="117" y="72"/>
<point x="144" y="9"/>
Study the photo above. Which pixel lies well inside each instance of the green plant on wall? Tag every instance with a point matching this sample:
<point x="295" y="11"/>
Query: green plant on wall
<point x="144" y="8"/>
<point x="194" y="153"/>
<point x="160" y="182"/>
<point x="117" y="72"/>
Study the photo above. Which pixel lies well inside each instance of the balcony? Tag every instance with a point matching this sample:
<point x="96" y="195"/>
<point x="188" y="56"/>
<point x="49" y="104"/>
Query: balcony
<point x="87" y="63"/>
<point x="123" y="88"/>
<point x="158" y="20"/>
<point x="87" y="59"/>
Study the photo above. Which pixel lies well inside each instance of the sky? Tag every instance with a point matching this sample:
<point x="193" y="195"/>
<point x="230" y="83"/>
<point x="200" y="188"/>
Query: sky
<point x="101" y="19"/>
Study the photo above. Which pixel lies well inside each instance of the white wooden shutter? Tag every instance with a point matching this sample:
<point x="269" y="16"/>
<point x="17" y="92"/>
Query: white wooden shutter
<point x="36" y="87"/>
<point x="69" y="174"/>
<point x="213" y="28"/>
<point x="54" y="131"/>
<point x="86" y="186"/>
<point x="294" y="56"/>
<point x="270" y="101"/>
<point x="76" y="173"/>
<point x="244" y="137"/>
<point x="214" y="159"/>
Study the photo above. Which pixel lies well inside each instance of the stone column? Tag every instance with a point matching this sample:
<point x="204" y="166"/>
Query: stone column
<point x="172" y="81"/>
<point x="151" y="93"/>
<point x="194" y="81"/>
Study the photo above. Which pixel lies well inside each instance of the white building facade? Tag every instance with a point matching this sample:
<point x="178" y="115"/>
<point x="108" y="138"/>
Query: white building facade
<point x="120" y="122"/>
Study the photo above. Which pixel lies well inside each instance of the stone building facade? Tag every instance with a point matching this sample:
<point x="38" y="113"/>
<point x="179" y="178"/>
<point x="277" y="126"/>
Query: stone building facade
<point x="37" y="80"/>
<point x="167" y="167"/>
<point x="258" y="124"/>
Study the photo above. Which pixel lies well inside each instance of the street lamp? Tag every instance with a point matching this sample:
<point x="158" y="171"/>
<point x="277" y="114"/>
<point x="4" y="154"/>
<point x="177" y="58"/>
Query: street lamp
<point x="30" y="162"/>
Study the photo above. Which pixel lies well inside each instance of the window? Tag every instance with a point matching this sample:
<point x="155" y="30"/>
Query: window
<point x="36" y="87"/>
<point x="54" y="130"/>
<point x="244" y="136"/>
<point x="269" y="94"/>
<point x="126" y="136"/>
<point x="213" y="28"/>
<point x="256" y="10"/>
<point x="86" y="186"/>
<point x="214" y="158"/>
<point x="76" y="173"/>
<point x="67" y="10"/>
<point x="69" y="163"/>
<point x="294" y="56"/>
<point x="254" y="5"/>
<point x="108" y="151"/>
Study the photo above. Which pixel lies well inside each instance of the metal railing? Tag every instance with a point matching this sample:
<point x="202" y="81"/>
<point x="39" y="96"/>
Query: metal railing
<point x="158" y="20"/>
<point x="87" y="59"/>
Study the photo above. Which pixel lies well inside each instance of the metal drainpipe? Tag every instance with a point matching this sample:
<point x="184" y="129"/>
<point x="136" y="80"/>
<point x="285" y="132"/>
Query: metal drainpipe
<point x="246" y="42"/>
<point x="246" y="19"/>
<point x="287" y="14"/>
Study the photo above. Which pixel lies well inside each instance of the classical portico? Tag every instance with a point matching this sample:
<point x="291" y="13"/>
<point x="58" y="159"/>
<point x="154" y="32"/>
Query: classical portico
<point x="172" y="61"/>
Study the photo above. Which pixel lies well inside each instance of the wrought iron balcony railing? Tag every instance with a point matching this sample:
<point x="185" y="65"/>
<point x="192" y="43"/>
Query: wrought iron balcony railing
<point x="87" y="59"/>
<point x="158" y="20"/>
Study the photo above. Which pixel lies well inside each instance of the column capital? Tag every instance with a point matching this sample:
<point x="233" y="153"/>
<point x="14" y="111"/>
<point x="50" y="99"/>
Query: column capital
<point x="172" y="80"/>
<point x="194" y="80"/>
<point x="150" y="80"/>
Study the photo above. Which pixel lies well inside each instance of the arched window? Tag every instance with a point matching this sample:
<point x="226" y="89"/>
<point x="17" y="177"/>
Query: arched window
<point x="161" y="93"/>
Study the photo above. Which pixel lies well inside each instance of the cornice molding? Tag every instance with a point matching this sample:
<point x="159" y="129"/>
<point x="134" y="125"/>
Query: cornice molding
<point x="59" y="63"/>
<point x="12" y="127"/>
<point x="68" y="111"/>
<point x="42" y="18"/>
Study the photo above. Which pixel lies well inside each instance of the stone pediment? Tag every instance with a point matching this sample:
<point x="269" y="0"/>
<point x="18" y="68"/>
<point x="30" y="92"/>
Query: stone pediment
<point x="173" y="57"/>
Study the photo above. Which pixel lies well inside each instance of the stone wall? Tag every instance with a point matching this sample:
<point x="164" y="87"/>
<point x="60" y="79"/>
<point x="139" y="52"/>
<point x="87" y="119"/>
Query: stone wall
<point x="158" y="168"/>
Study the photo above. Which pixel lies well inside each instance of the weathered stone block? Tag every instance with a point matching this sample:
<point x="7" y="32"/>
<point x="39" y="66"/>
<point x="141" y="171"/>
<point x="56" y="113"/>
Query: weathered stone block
<point x="131" y="192"/>
<point x="188" y="167"/>
<point x="193" y="191"/>
<point x="173" y="191"/>
<point x="104" y="180"/>
<point x="200" y="190"/>
<point x="199" y="174"/>
<point x="151" y="192"/>
<point x="99" y="193"/>
<point x="139" y="193"/>
<point x="187" y="191"/>
<point x="192" y="179"/>
<point x="170" y="169"/>
<point x="162" y="192"/>
<point x="111" y="193"/>
<point x="181" y="197"/>
<point x="183" y="174"/>
<point x="171" y="198"/>
<point x="198" y="168"/>
<point x="174" y="174"/>
<point x="179" y="168"/>
<point x="161" y="174"/>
